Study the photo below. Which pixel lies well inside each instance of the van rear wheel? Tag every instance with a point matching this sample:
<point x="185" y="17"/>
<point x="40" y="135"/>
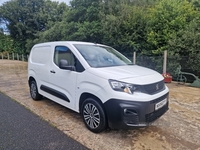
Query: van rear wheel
<point x="34" y="91"/>
<point x="93" y="115"/>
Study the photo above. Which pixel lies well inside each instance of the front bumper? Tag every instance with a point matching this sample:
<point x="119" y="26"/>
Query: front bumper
<point x="124" y="114"/>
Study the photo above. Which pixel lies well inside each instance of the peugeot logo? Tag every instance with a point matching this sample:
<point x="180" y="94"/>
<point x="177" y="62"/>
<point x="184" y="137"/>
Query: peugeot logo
<point x="157" y="87"/>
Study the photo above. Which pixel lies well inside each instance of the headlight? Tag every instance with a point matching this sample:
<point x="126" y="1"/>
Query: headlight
<point x="123" y="87"/>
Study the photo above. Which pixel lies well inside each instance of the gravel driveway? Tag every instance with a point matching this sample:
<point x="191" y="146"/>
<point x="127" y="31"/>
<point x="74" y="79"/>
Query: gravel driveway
<point x="178" y="129"/>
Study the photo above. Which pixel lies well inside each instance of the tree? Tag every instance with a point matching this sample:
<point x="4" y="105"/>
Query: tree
<point x="22" y="18"/>
<point x="81" y="22"/>
<point x="196" y="3"/>
<point x="6" y="43"/>
<point x="165" y="20"/>
<point x="186" y="43"/>
<point x="126" y="30"/>
<point x="25" y="18"/>
<point x="1" y="30"/>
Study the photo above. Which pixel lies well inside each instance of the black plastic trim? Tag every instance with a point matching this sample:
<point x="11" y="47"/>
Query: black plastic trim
<point x="54" y="93"/>
<point x="119" y="119"/>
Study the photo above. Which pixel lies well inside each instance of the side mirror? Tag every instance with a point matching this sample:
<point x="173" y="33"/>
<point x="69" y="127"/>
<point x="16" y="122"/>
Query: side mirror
<point x="63" y="64"/>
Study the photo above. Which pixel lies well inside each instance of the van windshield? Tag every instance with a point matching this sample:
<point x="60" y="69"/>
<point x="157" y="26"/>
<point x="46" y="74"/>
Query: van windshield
<point x="102" y="56"/>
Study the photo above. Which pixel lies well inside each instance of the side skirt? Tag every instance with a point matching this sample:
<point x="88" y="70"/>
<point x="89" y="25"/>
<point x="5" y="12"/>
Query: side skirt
<point x="54" y="93"/>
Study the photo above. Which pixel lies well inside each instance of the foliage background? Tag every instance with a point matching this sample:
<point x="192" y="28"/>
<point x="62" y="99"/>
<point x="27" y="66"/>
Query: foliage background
<point x="146" y="26"/>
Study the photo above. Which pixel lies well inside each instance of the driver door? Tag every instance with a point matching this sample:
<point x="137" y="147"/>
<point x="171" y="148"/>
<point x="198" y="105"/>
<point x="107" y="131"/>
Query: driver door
<point x="63" y="82"/>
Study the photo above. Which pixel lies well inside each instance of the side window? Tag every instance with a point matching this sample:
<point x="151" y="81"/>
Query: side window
<point x="63" y="52"/>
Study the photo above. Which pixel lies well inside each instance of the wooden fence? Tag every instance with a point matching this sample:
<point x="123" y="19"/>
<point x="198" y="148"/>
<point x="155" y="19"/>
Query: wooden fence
<point x="14" y="56"/>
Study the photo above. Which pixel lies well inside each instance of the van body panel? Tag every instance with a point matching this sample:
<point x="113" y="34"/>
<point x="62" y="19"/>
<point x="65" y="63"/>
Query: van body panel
<point x="88" y="83"/>
<point x="38" y="66"/>
<point x="64" y="81"/>
<point x="131" y="74"/>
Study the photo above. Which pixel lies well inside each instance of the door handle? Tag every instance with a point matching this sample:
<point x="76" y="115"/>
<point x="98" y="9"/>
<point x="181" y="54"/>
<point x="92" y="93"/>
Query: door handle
<point x="52" y="71"/>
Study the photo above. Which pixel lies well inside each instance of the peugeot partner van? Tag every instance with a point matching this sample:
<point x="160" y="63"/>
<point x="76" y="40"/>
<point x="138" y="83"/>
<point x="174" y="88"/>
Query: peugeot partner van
<point x="98" y="82"/>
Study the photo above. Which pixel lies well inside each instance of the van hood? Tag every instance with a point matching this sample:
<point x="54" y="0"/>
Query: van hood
<point x="130" y="74"/>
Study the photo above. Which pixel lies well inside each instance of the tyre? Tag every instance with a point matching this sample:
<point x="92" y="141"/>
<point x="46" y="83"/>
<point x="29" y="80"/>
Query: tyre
<point x="34" y="91"/>
<point x="93" y="115"/>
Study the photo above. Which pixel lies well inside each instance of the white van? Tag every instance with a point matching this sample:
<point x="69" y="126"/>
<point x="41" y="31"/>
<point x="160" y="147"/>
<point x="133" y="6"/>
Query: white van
<point x="98" y="82"/>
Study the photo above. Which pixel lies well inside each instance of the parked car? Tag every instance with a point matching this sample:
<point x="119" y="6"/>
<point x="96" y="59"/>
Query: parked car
<point x="98" y="82"/>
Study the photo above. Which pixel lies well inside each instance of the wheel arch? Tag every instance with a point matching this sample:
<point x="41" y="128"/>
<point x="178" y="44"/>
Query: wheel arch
<point x="84" y="96"/>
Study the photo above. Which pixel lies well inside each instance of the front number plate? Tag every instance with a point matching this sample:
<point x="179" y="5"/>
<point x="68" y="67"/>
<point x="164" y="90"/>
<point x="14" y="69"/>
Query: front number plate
<point x="160" y="104"/>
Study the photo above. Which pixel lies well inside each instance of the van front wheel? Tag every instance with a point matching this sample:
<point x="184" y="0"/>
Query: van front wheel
<point x="93" y="115"/>
<point x="34" y="91"/>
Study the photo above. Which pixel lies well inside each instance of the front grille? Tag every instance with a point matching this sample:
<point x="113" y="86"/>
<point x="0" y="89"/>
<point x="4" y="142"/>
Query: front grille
<point x="156" y="114"/>
<point x="154" y="87"/>
<point x="159" y="99"/>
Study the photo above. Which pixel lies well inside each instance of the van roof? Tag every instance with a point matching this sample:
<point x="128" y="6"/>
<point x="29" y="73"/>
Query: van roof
<point x="65" y="42"/>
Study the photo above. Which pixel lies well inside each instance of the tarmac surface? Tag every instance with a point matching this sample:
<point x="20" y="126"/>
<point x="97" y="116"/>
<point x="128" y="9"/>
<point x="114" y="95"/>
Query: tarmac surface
<point x="20" y="129"/>
<point x="178" y="129"/>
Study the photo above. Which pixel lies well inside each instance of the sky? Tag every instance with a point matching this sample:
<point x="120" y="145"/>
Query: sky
<point x="66" y="1"/>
